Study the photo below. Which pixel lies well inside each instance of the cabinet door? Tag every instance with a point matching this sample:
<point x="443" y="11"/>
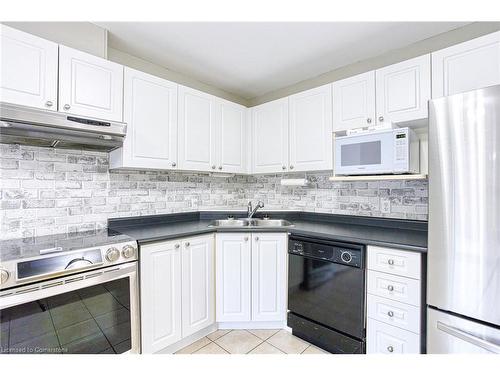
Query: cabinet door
<point x="28" y="69"/>
<point x="89" y="85"/>
<point x="466" y="66"/>
<point x="150" y="111"/>
<point x="231" y="136"/>
<point x="270" y="137"/>
<point x="268" y="276"/>
<point x="382" y="338"/>
<point x="197" y="129"/>
<point x="160" y="295"/>
<point x="198" y="284"/>
<point x="311" y="135"/>
<point x="354" y="102"/>
<point x="403" y="90"/>
<point x="233" y="277"/>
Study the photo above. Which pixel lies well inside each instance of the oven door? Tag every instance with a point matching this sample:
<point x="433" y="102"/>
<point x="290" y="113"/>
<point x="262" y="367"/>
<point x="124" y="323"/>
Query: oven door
<point x="365" y="154"/>
<point x="327" y="293"/>
<point x="91" y="312"/>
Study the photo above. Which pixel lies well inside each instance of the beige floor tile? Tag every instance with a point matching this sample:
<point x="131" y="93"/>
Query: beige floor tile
<point x="266" y="348"/>
<point x="314" y="350"/>
<point x="288" y="343"/>
<point x="211" y="348"/>
<point x="194" y="346"/>
<point x="219" y="333"/>
<point x="238" y="342"/>
<point x="263" y="334"/>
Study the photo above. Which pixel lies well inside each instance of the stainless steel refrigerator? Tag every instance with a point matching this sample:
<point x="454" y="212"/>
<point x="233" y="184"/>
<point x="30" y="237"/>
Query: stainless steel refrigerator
<point x="463" y="282"/>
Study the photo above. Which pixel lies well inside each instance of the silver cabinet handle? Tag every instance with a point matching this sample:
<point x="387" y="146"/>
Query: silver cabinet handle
<point x="390" y="288"/>
<point x="469" y="337"/>
<point x="246" y="239"/>
<point x="391" y="262"/>
<point x="187" y="244"/>
<point x="283" y="167"/>
<point x="256" y="238"/>
<point x="291" y="166"/>
<point x="381" y="118"/>
<point x="67" y="106"/>
<point x="369" y="120"/>
<point x="390" y="313"/>
<point x="213" y="166"/>
<point x="220" y="167"/>
<point x="390" y="349"/>
<point x="177" y="245"/>
<point x="48" y="103"/>
<point x="174" y="164"/>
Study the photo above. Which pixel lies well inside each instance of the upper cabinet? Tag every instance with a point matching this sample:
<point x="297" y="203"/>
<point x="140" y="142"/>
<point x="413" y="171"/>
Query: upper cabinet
<point x="197" y="130"/>
<point x="310" y="130"/>
<point x="150" y="111"/>
<point x="270" y="137"/>
<point x="403" y="90"/>
<point x="89" y="85"/>
<point x="354" y="102"/>
<point x="396" y="93"/>
<point x="231" y="137"/>
<point x="466" y="66"/>
<point x="28" y="74"/>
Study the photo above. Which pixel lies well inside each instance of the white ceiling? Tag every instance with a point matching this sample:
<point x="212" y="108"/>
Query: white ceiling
<point x="252" y="59"/>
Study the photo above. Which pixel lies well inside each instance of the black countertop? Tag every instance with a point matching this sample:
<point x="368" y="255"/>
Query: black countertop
<point x="401" y="234"/>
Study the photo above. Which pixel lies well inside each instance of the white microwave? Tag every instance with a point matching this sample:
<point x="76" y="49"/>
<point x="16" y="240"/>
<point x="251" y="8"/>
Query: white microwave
<point x="388" y="151"/>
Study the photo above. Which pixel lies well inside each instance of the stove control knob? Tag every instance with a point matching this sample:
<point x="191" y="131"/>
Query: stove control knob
<point x="4" y="276"/>
<point x="346" y="256"/>
<point x="128" y="251"/>
<point x="112" y="254"/>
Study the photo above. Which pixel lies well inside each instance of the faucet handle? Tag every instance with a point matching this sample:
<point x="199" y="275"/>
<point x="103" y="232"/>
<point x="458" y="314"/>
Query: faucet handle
<point x="260" y="204"/>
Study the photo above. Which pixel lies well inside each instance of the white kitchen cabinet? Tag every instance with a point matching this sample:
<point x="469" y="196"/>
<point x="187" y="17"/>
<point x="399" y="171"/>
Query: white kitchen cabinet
<point x="403" y="90"/>
<point x="269" y="276"/>
<point x="89" y="85"/>
<point x="466" y="66"/>
<point x="354" y="102"/>
<point x="28" y="74"/>
<point x="383" y="338"/>
<point x="197" y="130"/>
<point x="198" y="284"/>
<point x="160" y="267"/>
<point x="233" y="277"/>
<point x="310" y="122"/>
<point x="270" y="137"/>
<point x="150" y="111"/>
<point x="231" y="137"/>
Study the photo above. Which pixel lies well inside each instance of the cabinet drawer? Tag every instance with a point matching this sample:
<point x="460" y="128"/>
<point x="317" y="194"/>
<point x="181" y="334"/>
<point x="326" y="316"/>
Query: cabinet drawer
<point x="394" y="313"/>
<point x="396" y="262"/>
<point x="382" y="338"/>
<point x="396" y="288"/>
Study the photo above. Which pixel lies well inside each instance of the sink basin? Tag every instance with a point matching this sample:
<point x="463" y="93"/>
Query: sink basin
<point x="251" y="223"/>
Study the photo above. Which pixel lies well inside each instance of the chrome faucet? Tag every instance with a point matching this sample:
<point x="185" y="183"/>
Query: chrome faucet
<point x="251" y="211"/>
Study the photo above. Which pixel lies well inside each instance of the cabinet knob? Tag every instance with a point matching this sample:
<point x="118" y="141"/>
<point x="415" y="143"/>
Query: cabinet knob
<point x="390" y="313"/>
<point x="391" y="262"/>
<point x="220" y="167"/>
<point x="256" y="238"/>
<point x="213" y="166"/>
<point x="246" y="238"/>
<point x="369" y="120"/>
<point x="381" y="118"/>
<point x="177" y="245"/>
<point x="48" y="103"/>
<point x="187" y="244"/>
<point x="283" y="167"/>
<point x="174" y="164"/>
<point x="67" y="106"/>
<point x="291" y="166"/>
<point x="390" y="288"/>
<point x="390" y="349"/>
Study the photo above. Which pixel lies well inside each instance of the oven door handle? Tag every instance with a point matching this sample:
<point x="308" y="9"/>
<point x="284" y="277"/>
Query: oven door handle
<point x="73" y="261"/>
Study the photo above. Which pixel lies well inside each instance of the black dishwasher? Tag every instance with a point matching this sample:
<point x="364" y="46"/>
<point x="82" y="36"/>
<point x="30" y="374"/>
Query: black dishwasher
<point x="326" y="293"/>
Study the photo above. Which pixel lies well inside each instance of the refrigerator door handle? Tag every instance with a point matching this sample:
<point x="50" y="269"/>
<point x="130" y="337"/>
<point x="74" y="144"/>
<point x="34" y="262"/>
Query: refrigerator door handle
<point x="474" y="340"/>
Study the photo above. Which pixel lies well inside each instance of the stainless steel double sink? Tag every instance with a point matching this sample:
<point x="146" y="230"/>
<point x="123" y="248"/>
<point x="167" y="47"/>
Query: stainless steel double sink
<point x="252" y="223"/>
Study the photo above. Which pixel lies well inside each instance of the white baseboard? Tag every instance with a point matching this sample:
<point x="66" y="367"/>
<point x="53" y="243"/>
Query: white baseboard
<point x="188" y="340"/>
<point x="252" y="325"/>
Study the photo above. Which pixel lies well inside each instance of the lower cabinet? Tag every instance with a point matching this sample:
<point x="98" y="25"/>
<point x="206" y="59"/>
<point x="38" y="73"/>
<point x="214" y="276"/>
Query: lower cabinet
<point x="177" y="290"/>
<point x="251" y="277"/>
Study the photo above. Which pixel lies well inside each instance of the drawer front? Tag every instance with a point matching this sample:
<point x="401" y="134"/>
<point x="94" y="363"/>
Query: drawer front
<point x="382" y="338"/>
<point x="395" y="262"/>
<point x="394" y="313"/>
<point x="393" y="287"/>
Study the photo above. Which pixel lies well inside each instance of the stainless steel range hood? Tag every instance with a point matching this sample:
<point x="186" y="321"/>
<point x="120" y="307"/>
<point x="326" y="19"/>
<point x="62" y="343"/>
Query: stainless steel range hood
<point x="38" y="127"/>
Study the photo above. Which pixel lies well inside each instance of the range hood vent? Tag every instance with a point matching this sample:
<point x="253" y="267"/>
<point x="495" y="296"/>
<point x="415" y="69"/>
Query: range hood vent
<point x="37" y="127"/>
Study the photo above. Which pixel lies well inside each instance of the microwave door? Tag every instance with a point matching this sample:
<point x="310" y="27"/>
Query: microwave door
<point x="364" y="154"/>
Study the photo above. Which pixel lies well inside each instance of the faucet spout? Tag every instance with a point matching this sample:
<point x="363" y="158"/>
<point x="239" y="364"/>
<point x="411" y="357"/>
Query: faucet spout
<point x="250" y="211"/>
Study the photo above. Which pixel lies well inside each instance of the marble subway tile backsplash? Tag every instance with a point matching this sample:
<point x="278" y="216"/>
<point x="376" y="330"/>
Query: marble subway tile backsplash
<point x="46" y="191"/>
